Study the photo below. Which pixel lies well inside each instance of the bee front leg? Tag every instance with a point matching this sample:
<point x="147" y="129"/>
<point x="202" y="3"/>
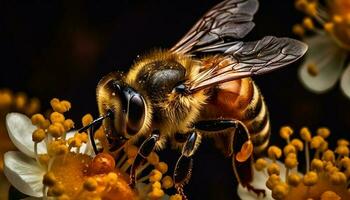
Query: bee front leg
<point x="144" y="151"/>
<point x="183" y="168"/>
<point x="242" y="155"/>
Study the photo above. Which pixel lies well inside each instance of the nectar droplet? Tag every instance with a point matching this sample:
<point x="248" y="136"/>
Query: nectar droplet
<point x="103" y="163"/>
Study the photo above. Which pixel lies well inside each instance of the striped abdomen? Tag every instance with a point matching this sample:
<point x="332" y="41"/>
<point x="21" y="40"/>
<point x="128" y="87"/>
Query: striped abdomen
<point x="241" y="100"/>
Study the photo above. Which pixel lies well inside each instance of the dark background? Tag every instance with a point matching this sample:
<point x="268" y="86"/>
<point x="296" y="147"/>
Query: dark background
<point x="62" y="48"/>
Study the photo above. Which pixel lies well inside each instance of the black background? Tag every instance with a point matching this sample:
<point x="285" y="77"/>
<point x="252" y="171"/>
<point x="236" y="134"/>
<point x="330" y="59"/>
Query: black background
<point x="62" y="48"/>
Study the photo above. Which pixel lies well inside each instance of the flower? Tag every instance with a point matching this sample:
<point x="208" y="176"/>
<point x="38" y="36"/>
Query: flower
<point x="326" y="60"/>
<point x="326" y="174"/>
<point x="54" y="161"/>
<point x="9" y="102"/>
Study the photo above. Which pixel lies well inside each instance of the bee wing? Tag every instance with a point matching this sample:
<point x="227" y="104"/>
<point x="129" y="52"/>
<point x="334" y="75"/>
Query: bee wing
<point x="245" y="59"/>
<point x="230" y="18"/>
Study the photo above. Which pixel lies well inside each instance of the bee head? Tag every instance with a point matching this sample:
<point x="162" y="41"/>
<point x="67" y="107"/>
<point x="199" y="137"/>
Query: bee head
<point x="126" y="108"/>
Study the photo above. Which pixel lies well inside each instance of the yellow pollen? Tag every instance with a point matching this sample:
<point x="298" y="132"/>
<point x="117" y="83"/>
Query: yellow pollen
<point x="312" y="69"/>
<point x="330" y="168"/>
<point x="57" y="117"/>
<point x="153" y="158"/>
<point x="323" y="132"/>
<point x="175" y="197"/>
<point x="156" y="192"/>
<point x="6" y="98"/>
<point x="20" y="100"/>
<point x="49" y="179"/>
<point x="316" y="164"/>
<point x="44" y="159"/>
<point x="310" y="178"/>
<point x="260" y="164"/>
<point x="57" y="189"/>
<point x="294" y="179"/>
<point x="38" y="135"/>
<point x="63" y="197"/>
<point x="45" y="125"/>
<point x="272" y="181"/>
<point x="82" y="136"/>
<point x="111" y="179"/>
<point x="66" y="104"/>
<point x="328" y="156"/>
<point x="316" y="142"/>
<point x="305" y="134"/>
<point x="337" y="19"/>
<point x="338" y="178"/>
<point x="68" y="124"/>
<point x="56" y="129"/>
<point x="274" y="152"/>
<point x="345" y="162"/>
<point x="329" y="27"/>
<point x="87" y="119"/>
<point x="308" y="23"/>
<point x="330" y="195"/>
<point x="167" y="182"/>
<point x="311" y="9"/>
<point x="162" y="167"/>
<point x="60" y="106"/>
<point x="298" y="144"/>
<point x="291" y="161"/>
<point x="342" y="150"/>
<point x="273" y="168"/>
<point x="90" y="184"/>
<point x="298" y="30"/>
<point x="343" y="142"/>
<point x="289" y="148"/>
<point x="155" y="175"/>
<point x="301" y="4"/>
<point x="286" y="132"/>
<point x="37" y="119"/>
<point x="156" y="185"/>
<point x="280" y="191"/>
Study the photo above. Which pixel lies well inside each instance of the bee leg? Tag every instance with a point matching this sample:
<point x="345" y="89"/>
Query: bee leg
<point x="242" y="155"/>
<point x="183" y="168"/>
<point x="145" y="149"/>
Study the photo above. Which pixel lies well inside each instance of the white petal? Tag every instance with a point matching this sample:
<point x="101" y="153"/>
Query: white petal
<point x="23" y="173"/>
<point x="345" y="81"/>
<point x="259" y="182"/>
<point x="20" y="129"/>
<point x="329" y="59"/>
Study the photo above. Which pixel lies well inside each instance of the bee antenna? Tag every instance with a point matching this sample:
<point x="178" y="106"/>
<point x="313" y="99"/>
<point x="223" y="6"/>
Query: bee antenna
<point x="109" y="114"/>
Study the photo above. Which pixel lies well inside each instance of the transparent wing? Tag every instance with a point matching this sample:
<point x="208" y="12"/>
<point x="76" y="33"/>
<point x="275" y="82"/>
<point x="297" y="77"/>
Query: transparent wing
<point x="245" y="59"/>
<point x="228" y="19"/>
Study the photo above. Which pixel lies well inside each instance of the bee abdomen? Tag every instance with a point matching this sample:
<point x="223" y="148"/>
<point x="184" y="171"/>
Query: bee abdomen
<point x="256" y="117"/>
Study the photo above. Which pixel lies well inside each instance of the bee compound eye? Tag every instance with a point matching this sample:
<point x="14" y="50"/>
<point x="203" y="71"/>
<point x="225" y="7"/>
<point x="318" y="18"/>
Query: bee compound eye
<point x="136" y="114"/>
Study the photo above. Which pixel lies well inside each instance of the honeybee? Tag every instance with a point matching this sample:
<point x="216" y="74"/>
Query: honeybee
<point x="201" y="87"/>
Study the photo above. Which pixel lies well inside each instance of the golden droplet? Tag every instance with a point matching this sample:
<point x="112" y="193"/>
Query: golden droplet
<point x="102" y="163"/>
<point x="246" y="151"/>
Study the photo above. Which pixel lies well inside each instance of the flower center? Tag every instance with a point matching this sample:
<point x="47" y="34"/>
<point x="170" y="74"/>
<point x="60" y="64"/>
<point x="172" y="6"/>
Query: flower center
<point x="318" y="190"/>
<point x="77" y="176"/>
<point x="340" y="10"/>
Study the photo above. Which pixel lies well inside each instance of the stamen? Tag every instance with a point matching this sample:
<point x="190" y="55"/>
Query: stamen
<point x="306" y="136"/>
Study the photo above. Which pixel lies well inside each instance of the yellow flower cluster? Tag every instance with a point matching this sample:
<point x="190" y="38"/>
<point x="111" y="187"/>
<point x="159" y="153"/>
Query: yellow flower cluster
<point x="72" y="174"/>
<point x="10" y="101"/>
<point x="333" y="18"/>
<point x="326" y="175"/>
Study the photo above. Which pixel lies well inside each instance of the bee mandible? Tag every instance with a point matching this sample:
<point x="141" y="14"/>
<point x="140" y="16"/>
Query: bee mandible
<point x="201" y="87"/>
